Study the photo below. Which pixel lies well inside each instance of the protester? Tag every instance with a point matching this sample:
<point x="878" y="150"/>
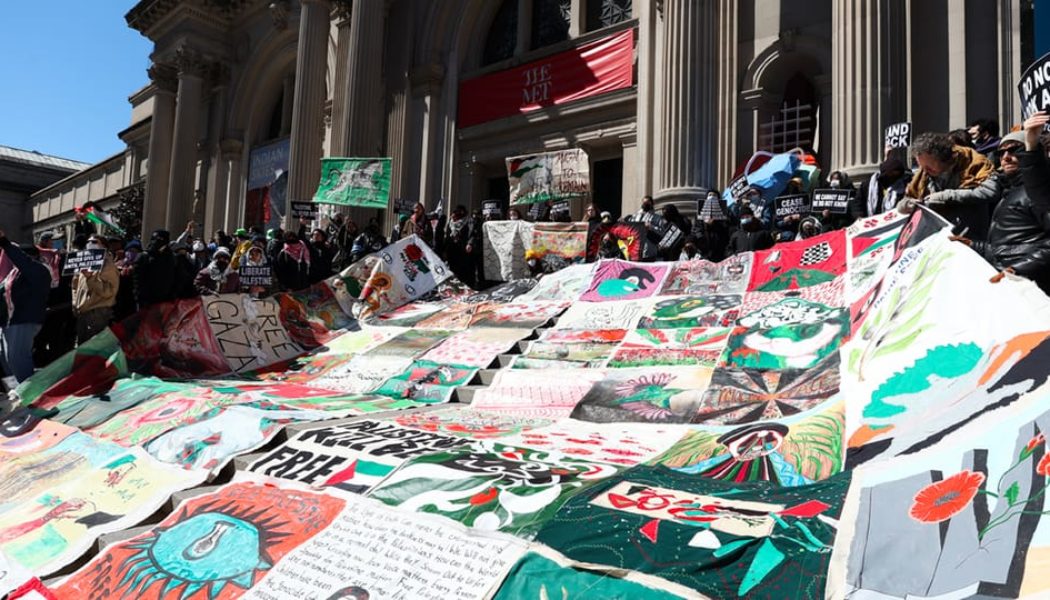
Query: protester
<point x="1019" y="236"/>
<point x="367" y="242"/>
<point x="292" y="267"/>
<point x="711" y="228"/>
<point x="81" y="224"/>
<point x="609" y="247"/>
<point x="961" y="137"/>
<point x="419" y="225"/>
<point x="95" y="294"/>
<point x="185" y="271"/>
<point x="26" y="287"/>
<point x="256" y="258"/>
<point x="461" y="240"/>
<point x="958" y="183"/>
<point x="751" y="236"/>
<point x="809" y="227"/>
<point x="201" y="256"/>
<point x="606" y="218"/>
<point x="219" y="277"/>
<point x="590" y="215"/>
<point x="514" y="215"/>
<point x="243" y="241"/>
<point x="322" y="253"/>
<point x="689" y="250"/>
<point x="395" y="235"/>
<point x="125" y="304"/>
<point x="154" y="272"/>
<point x="985" y="136"/>
<point x="885" y="188"/>
<point x="643" y="212"/>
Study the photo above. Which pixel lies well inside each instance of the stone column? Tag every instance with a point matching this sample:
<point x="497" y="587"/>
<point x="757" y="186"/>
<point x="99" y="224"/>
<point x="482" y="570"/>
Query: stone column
<point x="232" y="155"/>
<point x="364" y="79"/>
<point x="182" y="184"/>
<point x="341" y="13"/>
<point x="689" y="101"/>
<point x="155" y="205"/>
<point x="304" y="160"/>
<point x="869" y="79"/>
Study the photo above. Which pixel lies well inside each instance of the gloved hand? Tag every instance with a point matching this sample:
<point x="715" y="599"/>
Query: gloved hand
<point x="936" y="199"/>
<point x="907" y="205"/>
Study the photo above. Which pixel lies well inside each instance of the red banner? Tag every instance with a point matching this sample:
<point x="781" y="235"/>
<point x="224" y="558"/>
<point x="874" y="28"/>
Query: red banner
<point x="596" y="68"/>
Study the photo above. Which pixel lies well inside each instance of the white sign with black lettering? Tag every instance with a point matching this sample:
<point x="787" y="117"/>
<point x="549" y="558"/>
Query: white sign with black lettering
<point x="898" y="135"/>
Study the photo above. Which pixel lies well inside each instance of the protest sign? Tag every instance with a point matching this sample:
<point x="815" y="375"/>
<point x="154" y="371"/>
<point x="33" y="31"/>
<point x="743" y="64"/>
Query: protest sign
<point x="491" y="208"/>
<point x="536" y="211"/>
<point x="665" y="233"/>
<point x="898" y="135"/>
<point x="403" y="206"/>
<point x="547" y="176"/>
<point x="354" y="182"/>
<point x="1034" y="88"/>
<point x="256" y="275"/>
<point x="91" y="260"/>
<point x="791" y="204"/>
<point x="304" y="210"/>
<point x="835" y="201"/>
<point x="559" y="209"/>
<point x="738" y="189"/>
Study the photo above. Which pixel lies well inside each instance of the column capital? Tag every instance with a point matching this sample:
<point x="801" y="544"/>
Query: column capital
<point x="163" y="76"/>
<point x="191" y="62"/>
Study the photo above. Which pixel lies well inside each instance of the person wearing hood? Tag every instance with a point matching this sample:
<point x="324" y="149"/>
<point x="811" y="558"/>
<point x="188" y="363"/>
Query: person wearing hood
<point x="461" y="239"/>
<point x="218" y="277"/>
<point x="292" y="267"/>
<point x="711" y="228"/>
<point x="185" y="271"/>
<point x="1019" y="236"/>
<point x="690" y="251"/>
<point x="809" y="227"/>
<point x="154" y="273"/>
<point x="840" y="180"/>
<point x="885" y="188"/>
<point x="957" y="183"/>
<point x="676" y="218"/>
<point x="125" y="304"/>
<point x="95" y="294"/>
<point x="322" y="255"/>
<point x="201" y="258"/>
<point x="244" y="241"/>
<point x="985" y="136"/>
<point x="368" y="241"/>
<point x="256" y="257"/>
<point x="751" y="236"/>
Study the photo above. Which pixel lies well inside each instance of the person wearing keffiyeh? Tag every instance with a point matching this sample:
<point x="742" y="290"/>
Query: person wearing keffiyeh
<point x="218" y="277"/>
<point x="292" y="268"/>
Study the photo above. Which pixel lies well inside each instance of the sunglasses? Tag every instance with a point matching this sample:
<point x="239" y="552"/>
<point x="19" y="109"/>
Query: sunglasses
<point x="1010" y="150"/>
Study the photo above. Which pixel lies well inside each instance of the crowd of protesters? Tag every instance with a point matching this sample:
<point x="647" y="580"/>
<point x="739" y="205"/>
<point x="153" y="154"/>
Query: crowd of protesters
<point x="995" y="191"/>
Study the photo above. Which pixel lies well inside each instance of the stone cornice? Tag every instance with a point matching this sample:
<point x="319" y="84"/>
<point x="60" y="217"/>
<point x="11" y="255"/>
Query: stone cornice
<point x="192" y="62"/>
<point x="147" y="14"/>
<point x="163" y="76"/>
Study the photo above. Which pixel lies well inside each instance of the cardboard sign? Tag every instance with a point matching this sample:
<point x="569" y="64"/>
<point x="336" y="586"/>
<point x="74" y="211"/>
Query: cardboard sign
<point x="304" y="210"/>
<point x="1034" y="88"/>
<point x="835" y="201"/>
<point x="91" y="260"/>
<point x="898" y="135"/>
<point x="536" y="211"/>
<point x="251" y="276"/>
<point x="791" y="204"/>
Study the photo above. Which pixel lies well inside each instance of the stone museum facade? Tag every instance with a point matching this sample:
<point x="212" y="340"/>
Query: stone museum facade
<point x="246" y="96"/>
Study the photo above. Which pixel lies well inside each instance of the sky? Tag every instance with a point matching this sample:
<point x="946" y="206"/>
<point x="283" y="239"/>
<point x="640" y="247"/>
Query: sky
<point x="67" y="68"/>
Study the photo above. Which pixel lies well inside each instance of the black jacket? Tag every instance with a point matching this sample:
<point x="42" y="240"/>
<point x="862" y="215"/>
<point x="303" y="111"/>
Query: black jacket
<point x="743" y="240"/>
<point x="155" y="277"/>
<point x="1019" y="236"/>
<point x="30" y="289"/>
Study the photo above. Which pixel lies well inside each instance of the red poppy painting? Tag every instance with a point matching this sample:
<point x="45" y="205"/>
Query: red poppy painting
<point x="942" y="500"/>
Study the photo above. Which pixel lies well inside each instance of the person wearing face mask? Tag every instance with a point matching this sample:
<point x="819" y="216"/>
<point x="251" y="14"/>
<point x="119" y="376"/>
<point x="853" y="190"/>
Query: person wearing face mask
<point x="292" y="267"/>
<point x="840" y="180"/>
<point x="125" y="304"/>
<point x="95" y="294"/>
<point x="751" y="236"/>
<point x="884" y="189"/>
<point x="689" y="250"/>
<point x="218" y="277"/>
<point x="809" y="227"/>
<point x="154" y="272"/>
<point x="185" y="271"/>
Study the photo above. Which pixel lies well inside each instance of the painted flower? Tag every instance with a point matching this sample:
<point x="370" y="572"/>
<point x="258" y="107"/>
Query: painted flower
<point x="381" y="282"/>
<point x="1032" y="444"/>
<point x="413" y="252"/>
<point x="1043" y="468"/>
<point x="942" y="500"/>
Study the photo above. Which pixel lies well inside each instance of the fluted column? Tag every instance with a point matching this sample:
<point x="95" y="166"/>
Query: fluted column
<point x="305" y="149"/>
<point x="155" y="204"/>
<point x="188" y="111"/>
<point x="869" y="75"/>
<point x="689" y="100"/>
<point x="364" y="78"/>
<point x="341" y="13"/>
<point x="232" y="155"/>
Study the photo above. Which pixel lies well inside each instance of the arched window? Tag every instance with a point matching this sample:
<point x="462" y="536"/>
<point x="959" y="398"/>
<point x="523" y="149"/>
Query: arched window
<point x="503" y="34"/>
<point x="550" y="21"/>
<point x="605" y="13"/>
<point x="794" y="124"/>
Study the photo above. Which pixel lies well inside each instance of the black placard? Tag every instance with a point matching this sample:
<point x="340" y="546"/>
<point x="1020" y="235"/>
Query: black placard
<point x="91" y="260"/>
<point x="561" y="207"/>
<point x="738" y="188"/>
<point x="898" y="135"/>
<point x="304" y="210"/>
<point x="536" y="210"/>
<point x="256" y="275"/>
<point x="1034" y="88"/>
<point x="791" y="204"/>
<point x="404" y="206"/>
<point x="491" y="208"/>
<point x="834" y="201"/>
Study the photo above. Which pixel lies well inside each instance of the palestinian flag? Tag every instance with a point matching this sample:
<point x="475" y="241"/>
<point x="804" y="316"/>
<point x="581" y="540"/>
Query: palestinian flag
<point x="100" y="217"/>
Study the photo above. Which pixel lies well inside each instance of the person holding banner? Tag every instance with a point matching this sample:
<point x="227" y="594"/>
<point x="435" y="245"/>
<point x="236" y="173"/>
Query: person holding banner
<point x="885" y="188"/>
<point x="958" y="183"/>
<point x="95" y="294"/>
<point x="419" y="225"/>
